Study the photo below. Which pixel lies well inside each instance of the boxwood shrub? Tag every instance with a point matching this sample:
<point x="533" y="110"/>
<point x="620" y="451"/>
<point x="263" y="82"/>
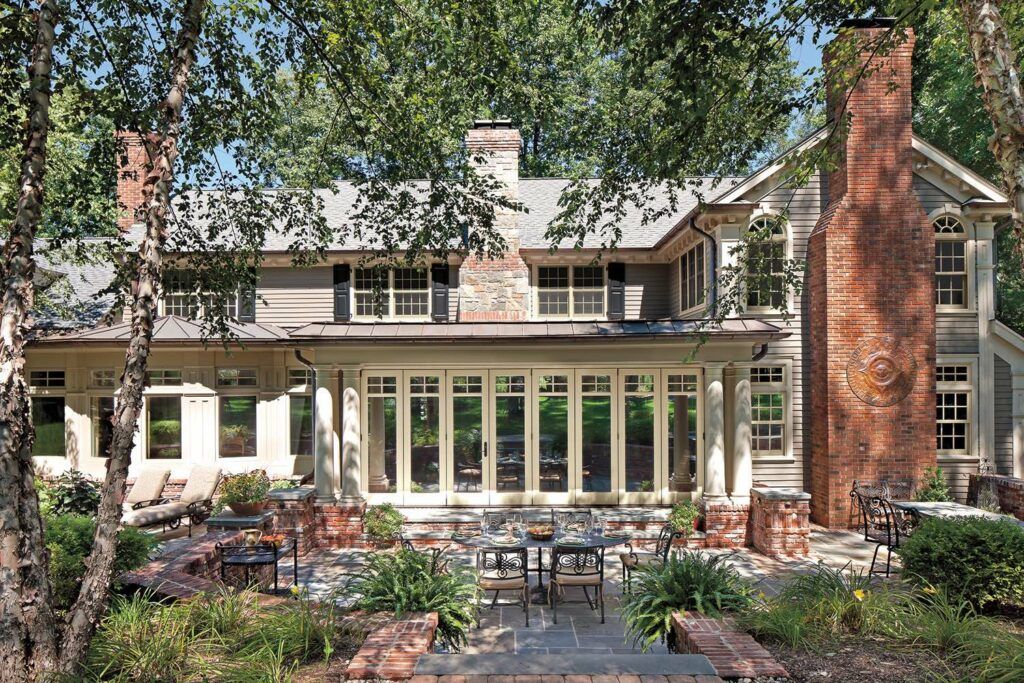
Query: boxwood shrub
<point x="978" y="560"/>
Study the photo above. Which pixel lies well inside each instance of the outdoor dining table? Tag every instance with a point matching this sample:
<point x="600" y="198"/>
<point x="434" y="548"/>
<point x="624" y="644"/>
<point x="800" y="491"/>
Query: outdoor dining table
<point x="590" y="540"/>
<point x="947" y="510"/>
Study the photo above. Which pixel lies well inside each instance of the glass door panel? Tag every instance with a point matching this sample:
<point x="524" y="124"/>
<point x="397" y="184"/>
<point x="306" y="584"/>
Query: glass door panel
<point x="640" y="477"/>
<point x="509" y="416"/>
<point x="682" y="434"/>
<point x="382" y="435"/>
<point x="554" y="437"/>
<point x="596" y="417"/>
<point x="424" y="433"/>
<point x="468" y="437"/>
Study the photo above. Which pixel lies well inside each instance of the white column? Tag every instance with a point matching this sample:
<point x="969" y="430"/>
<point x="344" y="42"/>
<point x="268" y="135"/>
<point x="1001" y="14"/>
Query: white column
<point x="742" y="462"/>
<point x="324" y="437"/>
<point x="984" y="236"/>
<point x="351" y="437"/>
<point x="714" y="433"/>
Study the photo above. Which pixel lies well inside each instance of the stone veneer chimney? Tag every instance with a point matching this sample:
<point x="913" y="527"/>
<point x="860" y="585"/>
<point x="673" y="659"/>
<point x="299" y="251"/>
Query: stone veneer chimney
<point x="131" y="175"/>
<point x="499" y="288"/>
<point x="870" y="279"/>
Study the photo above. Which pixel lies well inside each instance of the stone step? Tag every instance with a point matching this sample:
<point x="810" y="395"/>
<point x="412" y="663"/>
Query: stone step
<point x="566" y="664"/>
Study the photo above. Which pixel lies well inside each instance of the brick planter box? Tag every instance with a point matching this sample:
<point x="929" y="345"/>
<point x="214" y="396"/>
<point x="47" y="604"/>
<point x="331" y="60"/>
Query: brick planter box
<point x="390" y="652"/>
<point x="780" y="521"/>
<point x="733" y="653"/>
<point x="1008" y="490"/>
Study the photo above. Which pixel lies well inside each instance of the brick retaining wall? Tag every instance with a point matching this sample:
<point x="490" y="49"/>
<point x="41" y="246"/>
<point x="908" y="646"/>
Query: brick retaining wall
<point x="726" y="524"/>
<point x="390" y="652"/>
<point x="1009" y="491"/>
<point x="733" y="653"/>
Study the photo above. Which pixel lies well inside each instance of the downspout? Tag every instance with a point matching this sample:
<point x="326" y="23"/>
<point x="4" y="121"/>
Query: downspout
<point x="713" y="289"/>
<point x="312" y="373"/>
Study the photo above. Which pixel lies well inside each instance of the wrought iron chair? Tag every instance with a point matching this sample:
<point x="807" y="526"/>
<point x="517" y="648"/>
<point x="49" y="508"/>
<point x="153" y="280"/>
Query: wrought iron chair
<point x="883" y="526"/>
<point x="632" y="559"/>
<point x="439" y="562"/>
<point x="574" y="567"/>
<point x="505" y="570"/>
<point x="888" y="489"/>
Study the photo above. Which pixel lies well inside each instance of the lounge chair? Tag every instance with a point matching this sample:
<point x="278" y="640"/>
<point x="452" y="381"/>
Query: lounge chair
<point x="195" y="502"/>
<point x="149" y="486"/>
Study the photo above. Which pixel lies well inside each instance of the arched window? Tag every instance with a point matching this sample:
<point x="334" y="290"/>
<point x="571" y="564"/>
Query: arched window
<point x="766" y="256"/>
<point x="950" y="262"/>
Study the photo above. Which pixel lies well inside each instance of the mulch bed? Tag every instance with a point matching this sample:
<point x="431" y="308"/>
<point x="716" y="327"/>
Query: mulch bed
<point x="852" y="660"/>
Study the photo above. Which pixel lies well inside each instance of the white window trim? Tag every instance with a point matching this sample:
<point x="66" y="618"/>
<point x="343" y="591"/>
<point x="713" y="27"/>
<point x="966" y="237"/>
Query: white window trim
<point x="700" y="307"/>
<point x="201" y="306"/>
<point x="786" y="240"/>
<point x="953" y="210"/>
<point x="971" y="387"/>
<point x="389" y="294"/>
<point x="536" y="290"/>
<point x="786" y="389"/>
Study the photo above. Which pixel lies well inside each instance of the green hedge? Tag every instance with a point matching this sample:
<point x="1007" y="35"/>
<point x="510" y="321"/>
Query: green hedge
<point x="978" y="560"/>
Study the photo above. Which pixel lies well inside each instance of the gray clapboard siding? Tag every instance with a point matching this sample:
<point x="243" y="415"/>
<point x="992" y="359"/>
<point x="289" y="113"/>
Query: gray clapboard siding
<point x="290" y="297"/>
<point x="647" y="290"/>
<point x="672" y="284"/>
<point x="1004" y="417"/>
<point x="956" y="333"/>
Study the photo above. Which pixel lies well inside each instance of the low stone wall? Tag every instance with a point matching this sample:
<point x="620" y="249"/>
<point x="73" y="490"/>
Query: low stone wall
<point x="726" y="523"/>
<point x="1009" y="491"/>
<point x="390" y="652"/>
<point x="733" y="653"/>
<point x="780" y="522"/>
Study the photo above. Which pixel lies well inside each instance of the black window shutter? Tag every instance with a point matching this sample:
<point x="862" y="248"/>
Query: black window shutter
<point x="247" y="303"/>
<point x="439" y="292"/>
<point x="616" y="291"/>
<point x="342" y="293"/>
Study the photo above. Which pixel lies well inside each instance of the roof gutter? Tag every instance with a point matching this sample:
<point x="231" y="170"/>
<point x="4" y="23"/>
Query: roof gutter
<point x="713" y="289"/>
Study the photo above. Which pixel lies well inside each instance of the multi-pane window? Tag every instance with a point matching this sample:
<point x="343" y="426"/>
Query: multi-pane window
<point x="952" y="409"/>
<point x="766" y="256"/>
<point x="236" y="377"/>
<point x="299" y="377"/>
<point x="102" y="379"/>
<point x="49" y="379"/>
<point x="950" y="262"/>
<point x="768" y="410"/>
<point x="692" y="276"/>
<point x="180" y="297"/>
<point x="163" y="378"/>
<point x="571" y="291"/>
<point x="396" y="293"/>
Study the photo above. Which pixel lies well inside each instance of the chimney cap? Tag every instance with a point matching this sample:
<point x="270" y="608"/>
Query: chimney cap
<point x="492" y="123"/>
<point x="869" y="22"/>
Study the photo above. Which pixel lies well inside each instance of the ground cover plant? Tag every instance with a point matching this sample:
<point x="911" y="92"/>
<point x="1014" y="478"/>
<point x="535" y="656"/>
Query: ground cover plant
<point x="688" y="582"/>
<point x="383" y="522"/>
<point x="410" y="581"/>
<point x="228" y="638"/>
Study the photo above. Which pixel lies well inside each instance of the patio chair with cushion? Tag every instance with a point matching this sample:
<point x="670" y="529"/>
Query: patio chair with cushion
<point x="643" y="558"/>
<point x="148" y="487"/>
<point x="505" y="570"/>
<point x="883" y="526"/>
<point x="574" y="567"/>
<point x="195" y="502"/>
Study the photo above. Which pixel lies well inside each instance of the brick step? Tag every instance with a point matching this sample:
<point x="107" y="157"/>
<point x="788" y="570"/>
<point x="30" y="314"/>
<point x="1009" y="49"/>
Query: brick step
<point x="566" y="664"/>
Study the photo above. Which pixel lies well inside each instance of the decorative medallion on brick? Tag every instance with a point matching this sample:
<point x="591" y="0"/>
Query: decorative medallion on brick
<point x="881" y="371"/>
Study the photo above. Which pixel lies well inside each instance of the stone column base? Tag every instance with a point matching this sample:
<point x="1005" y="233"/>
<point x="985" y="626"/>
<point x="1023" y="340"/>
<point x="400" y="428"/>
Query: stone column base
<point x="780" y="521"/>
<point x="726" y="523"/>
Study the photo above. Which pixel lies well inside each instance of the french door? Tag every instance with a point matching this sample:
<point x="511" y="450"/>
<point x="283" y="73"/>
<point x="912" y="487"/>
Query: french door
<point x="640" y="468"/>
<point x="509" y="461"/>
<point x="469" y="437"/>
<point x="555" y="465"/>
<point x="597" y="478"/>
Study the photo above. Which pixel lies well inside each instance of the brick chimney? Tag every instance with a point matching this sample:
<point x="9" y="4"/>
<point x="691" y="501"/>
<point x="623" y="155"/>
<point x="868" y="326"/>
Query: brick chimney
<point x="870" y="282"/>
<point x="499" y="288"/>
<point x="131" y="176"/>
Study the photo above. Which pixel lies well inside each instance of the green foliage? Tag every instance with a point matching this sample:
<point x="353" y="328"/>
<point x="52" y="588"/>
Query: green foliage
<point x="409" y="581"/>
<point x="688" y="582"/>
<point x="69" y="540"/>
<point x="933" y="487"/>
<point x="683" y="515"/>
<point x="247" y="487"/>
<point x="227" y="637"/>
<point x="74" y="493"/>
<point x="978" y="560"/>
<point x="383" y="522"/>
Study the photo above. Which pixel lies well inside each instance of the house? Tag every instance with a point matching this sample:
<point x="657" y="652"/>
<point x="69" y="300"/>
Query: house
<point x="543" y="378"/>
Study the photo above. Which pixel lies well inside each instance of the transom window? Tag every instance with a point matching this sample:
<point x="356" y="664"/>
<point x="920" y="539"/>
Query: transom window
<point x="692" y="282"/>
<point x="299" y="377"/>
<point x="180" y="296"/>
<point x="236" y="377"/>
<point x="769" y="375"/>
<point x="950" y="262"/>
<point x="571" y="291"/>
<point x="102" y="378"/>
<point x="953" y="409"/>
<point x="396" y="293"/>
<point x="46" y="378"/>
<point x="163" y="378"/>
<point x="766" y="255"/>
<point x="768" y="410"/>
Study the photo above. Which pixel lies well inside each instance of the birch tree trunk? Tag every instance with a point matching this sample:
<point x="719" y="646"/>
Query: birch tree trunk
<point x="27" y="622"/>
<point x="162" y="152"/>
<point x="999" y="74"/>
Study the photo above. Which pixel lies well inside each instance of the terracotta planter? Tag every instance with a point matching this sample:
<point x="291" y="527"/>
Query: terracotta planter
<point x="247" y="509"/>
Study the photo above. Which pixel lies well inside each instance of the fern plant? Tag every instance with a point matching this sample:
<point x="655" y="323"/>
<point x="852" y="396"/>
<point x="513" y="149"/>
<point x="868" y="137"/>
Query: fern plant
<point x="409" y="581"/>
<point x="689" y="582"/>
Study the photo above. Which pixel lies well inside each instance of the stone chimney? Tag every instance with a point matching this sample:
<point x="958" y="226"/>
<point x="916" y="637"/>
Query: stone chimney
<point x="499" y="288"/>
<point x="131" y="175"/>
<point x="870" y="285"/>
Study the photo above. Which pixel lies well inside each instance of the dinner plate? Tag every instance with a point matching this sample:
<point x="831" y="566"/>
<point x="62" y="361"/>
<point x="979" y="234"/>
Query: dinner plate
<point x="571" y="540"/>
<point x="505" y="542"/>
<point x="616" y="534"/>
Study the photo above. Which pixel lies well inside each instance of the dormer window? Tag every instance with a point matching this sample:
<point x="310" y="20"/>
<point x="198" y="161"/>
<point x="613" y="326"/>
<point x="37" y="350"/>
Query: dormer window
<point x="950" y="262"/>
<point x="571" y="291"/>
<point x="766" y="257"/>
<point x="179" y="297"/>
<point x="395" y="293"/>
<point x="692" y="278"/>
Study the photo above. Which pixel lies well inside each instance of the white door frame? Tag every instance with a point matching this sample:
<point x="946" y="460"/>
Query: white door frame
<point x="572" y="479"/>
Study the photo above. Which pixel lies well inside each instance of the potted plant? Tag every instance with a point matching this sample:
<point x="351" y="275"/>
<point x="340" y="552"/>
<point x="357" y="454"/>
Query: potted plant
<point x="383" y="523"/>
<point x="684" y="517"/>
<point x="246" y="493"/>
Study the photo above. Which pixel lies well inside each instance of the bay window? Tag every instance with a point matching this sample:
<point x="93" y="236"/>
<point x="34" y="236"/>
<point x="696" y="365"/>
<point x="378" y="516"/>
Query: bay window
<point x="692" y="278"/>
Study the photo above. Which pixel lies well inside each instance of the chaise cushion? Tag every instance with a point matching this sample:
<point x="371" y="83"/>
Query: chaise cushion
<point x="201" y="485"/>
<point x="149" y="485"/>
<point x="640" y="559"/>
<point x="155" y="514"/>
